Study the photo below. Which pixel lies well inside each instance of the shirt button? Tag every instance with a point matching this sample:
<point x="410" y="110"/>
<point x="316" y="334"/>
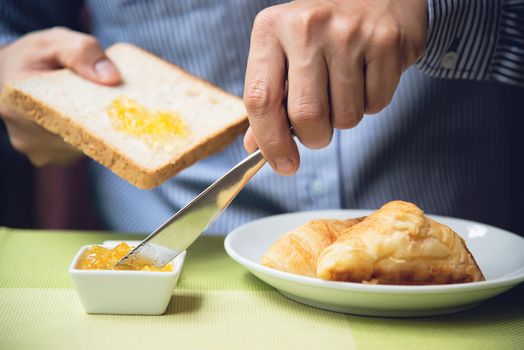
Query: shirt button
<point x="318" y="187"/>
<point x="449" y="60"/>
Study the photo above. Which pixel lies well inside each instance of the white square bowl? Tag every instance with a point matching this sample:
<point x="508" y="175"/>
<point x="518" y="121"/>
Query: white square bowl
<point x="124" y="292"/>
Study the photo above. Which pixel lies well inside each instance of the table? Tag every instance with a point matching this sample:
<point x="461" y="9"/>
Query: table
<point x="216" y="305"/>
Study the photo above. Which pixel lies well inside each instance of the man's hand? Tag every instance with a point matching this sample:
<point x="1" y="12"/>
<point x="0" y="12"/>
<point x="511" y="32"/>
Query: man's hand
<point x="319" y="65"/>
<point x="44" y="51"/>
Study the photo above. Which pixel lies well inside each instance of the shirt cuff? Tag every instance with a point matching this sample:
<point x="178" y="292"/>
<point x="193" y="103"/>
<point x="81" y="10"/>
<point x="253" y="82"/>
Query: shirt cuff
<point x="507" y="61"/>
<point x="474" y="39"/>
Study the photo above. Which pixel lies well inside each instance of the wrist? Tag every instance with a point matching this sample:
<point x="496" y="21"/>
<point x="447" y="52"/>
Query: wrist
<point x="412" y="17"/>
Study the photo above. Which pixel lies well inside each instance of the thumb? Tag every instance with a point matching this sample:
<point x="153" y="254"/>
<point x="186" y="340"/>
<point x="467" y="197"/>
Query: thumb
<point x="82" y="53"/>
<point x="250" y="142"/>
<point x="106" y="71"/>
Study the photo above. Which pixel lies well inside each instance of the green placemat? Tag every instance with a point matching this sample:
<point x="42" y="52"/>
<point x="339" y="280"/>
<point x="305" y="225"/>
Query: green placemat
<point x="216" y="305"/>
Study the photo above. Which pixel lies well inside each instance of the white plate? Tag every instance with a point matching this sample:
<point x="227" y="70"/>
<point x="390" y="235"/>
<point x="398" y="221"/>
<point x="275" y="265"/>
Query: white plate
<point x="499" y="253"/>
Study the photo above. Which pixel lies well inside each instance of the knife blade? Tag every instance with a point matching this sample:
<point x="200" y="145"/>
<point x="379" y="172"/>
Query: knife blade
<point x="183" y="228"/>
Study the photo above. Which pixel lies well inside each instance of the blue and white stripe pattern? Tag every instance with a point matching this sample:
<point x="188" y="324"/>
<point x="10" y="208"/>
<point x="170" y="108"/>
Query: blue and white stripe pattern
<point x="476" y="39"/>
<point x="449" y="145"/>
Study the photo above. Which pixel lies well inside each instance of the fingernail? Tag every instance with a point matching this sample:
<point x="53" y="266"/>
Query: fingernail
<point x="285" y="166"/>
<point x="105" y="69"/>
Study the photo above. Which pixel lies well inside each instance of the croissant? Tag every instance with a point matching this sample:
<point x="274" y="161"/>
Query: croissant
<point x="398" y="244"/>
<point x="297" y="251"/>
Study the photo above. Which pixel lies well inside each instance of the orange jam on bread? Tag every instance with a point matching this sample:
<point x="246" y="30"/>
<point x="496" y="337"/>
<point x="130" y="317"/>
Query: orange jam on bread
<point x="100" y="258"/>
<point x="129" y="116"/>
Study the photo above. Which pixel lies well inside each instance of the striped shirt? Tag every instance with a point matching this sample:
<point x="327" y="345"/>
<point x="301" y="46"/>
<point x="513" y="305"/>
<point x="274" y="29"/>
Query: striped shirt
<point x="449" y="141"/>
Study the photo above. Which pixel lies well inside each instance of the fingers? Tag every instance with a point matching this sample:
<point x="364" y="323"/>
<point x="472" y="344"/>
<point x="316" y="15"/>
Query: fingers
<point x="343" y="59"/>
<point x="44" y="51"/>
<point x="346" y="86"/>
<point x="83" y="54"/>
<point x="263" y="98"/>
<point x="250" y="142"/>
<point x="39" y="145"/>
<point x="383" y="70"/>
<point x="307" y="102"/>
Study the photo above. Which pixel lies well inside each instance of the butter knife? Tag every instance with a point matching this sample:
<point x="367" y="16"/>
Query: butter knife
<point x="182" y="229"/>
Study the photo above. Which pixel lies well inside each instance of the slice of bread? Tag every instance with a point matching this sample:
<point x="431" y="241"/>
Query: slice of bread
<point x="77" y="110"/>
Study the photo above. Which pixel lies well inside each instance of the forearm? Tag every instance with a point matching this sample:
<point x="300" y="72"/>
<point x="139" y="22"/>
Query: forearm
<point x="476" y="40"/>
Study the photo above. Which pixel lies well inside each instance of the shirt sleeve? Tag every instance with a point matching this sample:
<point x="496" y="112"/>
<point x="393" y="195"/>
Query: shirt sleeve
<point x="475" y="39"/>
<point x="18" y="17"/>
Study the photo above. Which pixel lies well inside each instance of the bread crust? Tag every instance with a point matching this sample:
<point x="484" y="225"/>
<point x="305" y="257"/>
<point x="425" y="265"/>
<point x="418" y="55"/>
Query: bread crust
<point x="97" y="149"/>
